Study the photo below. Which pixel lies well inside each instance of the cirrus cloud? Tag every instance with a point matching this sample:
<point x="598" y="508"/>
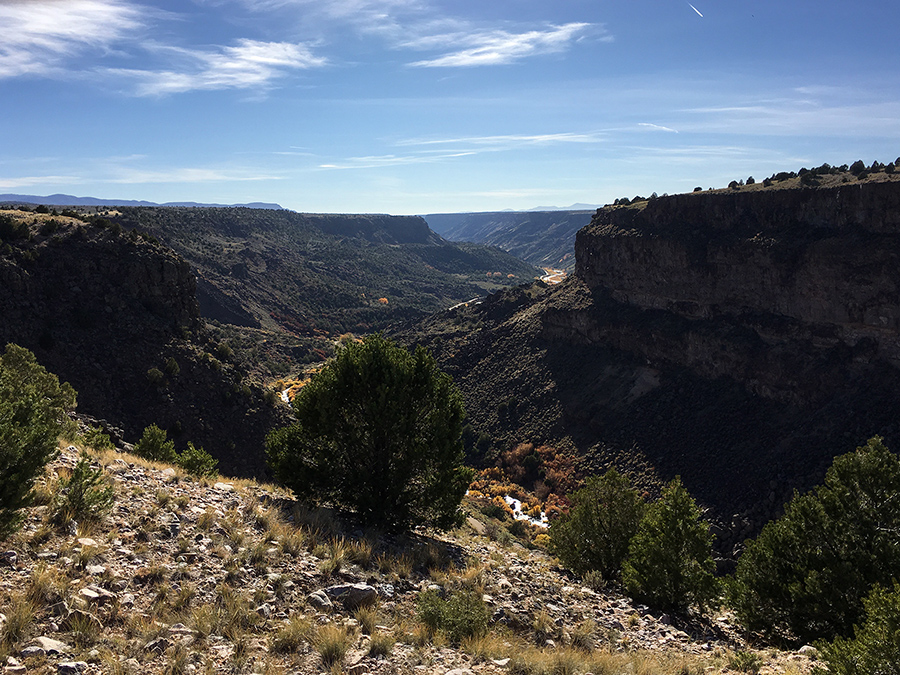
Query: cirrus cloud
<point x="496" y="47"/>
<point x="36" y="37"/>
<point x="249" y="64"/>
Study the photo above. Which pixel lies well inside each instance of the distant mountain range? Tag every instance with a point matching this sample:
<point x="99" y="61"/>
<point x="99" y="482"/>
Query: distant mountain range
<point x="71" y="200"/>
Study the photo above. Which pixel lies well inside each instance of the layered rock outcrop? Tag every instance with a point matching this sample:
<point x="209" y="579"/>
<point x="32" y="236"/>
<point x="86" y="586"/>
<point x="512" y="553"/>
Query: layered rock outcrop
<point x="756" y="283"/>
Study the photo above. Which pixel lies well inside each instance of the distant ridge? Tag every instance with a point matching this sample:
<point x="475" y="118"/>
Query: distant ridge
<point x="543" y="238"/>
<point x="573" y="207"/>
<point x="71" y="200"/>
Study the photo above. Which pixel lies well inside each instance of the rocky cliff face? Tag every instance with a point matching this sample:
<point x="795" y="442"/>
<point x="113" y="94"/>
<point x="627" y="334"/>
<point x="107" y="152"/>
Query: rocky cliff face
<point x="101" y="309"/>
<point x="758" y="283"/>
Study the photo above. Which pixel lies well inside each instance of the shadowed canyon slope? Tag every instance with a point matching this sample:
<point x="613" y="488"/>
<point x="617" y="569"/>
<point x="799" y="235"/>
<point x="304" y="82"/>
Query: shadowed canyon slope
<point x="116" y="316"/>
<point x="738" y="338"/>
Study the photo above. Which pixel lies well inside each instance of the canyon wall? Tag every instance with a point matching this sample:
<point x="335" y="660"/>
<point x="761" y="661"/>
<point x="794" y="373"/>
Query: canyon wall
<point x="774" y="288"/>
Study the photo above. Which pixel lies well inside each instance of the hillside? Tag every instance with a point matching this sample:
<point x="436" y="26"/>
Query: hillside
<point x="740" y="338"/>
<point x="115" y="314"/>
<point x="322" y="274"/>
<point x="543" y="238"/>
<point x="217" y="575"/>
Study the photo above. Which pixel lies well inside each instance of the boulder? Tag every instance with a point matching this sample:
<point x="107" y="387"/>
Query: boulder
<point x="353" y="596"/>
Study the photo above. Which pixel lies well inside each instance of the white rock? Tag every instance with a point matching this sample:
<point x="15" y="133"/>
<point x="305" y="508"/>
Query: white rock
<point x="52" y="646"/>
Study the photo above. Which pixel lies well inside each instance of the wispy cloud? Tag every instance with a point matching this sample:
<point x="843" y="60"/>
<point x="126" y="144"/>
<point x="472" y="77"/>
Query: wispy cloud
<point x="419" y="25"/>
<point x="381" y="161"/>
<point x="188" y="175"/>
<point x="431" y="150"/>
<point x="36" y="36"/>
<point x="798" y="117"/>
<point x="386" y="17"/>
<point x="29" y="181"/>
<point x="249" y="64"/>
<point x="507" y="141"/>
<point x="656" y="127"/>
<point x="495" y="47"/>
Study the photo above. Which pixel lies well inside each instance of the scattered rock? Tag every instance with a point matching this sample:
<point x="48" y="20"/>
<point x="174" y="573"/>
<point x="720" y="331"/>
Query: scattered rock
<point x="158" y="646"/>
<point x="71" y="667"/>
<point x="51" y="646"/>
<point x="319" y="600"/>
<point x="353" y="596"/>
<point x="476" y="525"/>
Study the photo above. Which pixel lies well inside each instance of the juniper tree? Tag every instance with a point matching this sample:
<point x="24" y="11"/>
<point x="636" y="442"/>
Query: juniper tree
<point x="33" y="407"/>
<point x="379" y="432"/>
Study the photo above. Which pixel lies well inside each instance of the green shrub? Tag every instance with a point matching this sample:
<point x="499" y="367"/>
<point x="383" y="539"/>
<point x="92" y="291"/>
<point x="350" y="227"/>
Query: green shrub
<point x="745" y="662"/>
<point x="670" y="564"/>
<point x="379" y="432"/>
<point x="96" y="439"/>
<point x="197" y="461"/>
<point x="85" y="495"/>
<point x="595" y="533"/>
<point x="172" y="367"/>
<point x="804" y="578"/>
<point x="154" y="446"/>
<point x="463" y="615"/>
<point x="155" y="377"/>
<point x="875" y="646"/>
<point x="33" y="407"/>
<point x="430" y="607"/>
<point x="11" y="228"/>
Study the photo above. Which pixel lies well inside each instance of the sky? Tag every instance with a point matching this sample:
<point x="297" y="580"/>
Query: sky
<point x="431" y="106"/>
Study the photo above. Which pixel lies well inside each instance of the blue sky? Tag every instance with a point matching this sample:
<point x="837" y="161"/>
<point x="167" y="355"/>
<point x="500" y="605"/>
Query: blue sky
<point x="424" y="106"/>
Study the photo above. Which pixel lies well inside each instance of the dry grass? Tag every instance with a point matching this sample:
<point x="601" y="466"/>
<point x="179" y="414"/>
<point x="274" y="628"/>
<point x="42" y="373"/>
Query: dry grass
<point x="47" y="586"/>
<point x="292" y="635"/>
<point x="582" y="636"/>
<point x="292" y="540"/>
<point x="569" y="661"/>
<point x="380" y="645"/>
<point x="367" y="618"/>
<point x="361" y="553"/>
<point x="332" y="642"/>
<point x="486" y="647"/>
<point x="19" y="617"/>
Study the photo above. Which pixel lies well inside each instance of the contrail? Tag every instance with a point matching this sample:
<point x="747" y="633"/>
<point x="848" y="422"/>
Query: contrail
<point x="694" y="8"/>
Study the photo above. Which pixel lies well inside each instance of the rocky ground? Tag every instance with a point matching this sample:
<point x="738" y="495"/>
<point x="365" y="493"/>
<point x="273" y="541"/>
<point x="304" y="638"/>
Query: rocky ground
<point x="189" y="575"/>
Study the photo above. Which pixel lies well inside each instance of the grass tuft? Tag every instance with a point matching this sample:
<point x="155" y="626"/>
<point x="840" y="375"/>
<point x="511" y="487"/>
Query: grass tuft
<point x="332" y="642"/>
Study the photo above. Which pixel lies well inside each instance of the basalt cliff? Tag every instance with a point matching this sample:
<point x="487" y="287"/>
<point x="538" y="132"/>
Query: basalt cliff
<point x="738" y="338"/>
